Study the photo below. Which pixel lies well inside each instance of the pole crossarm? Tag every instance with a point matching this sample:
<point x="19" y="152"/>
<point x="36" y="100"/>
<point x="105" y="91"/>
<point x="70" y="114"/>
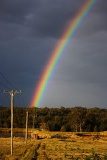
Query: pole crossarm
<point x="13" y="92"/>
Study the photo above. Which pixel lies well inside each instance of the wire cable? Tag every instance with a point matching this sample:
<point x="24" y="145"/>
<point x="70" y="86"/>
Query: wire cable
<point x="8" y="83"/>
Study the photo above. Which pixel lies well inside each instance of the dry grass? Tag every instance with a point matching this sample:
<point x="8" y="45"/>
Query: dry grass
<point x="21" y="149"/>
<point x="57" y="146"/>
<point x="15" y="130"/>
<point x="64" y="149"/>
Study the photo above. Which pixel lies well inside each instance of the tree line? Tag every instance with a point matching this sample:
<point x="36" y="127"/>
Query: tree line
<point x="76" y="119"/>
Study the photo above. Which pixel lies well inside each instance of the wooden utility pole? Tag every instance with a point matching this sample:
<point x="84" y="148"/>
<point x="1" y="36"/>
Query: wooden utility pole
<point x="33" y="120"/>
<point x="34" y="117"/>
<point x="26" y="135"/>
<point x="12" y="94"/>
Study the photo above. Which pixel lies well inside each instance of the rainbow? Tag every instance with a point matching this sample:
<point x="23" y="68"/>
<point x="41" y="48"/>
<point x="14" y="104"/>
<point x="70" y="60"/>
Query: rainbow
<point x="69" y="33"/>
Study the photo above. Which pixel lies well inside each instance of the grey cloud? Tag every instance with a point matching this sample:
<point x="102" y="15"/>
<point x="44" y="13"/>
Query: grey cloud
<point x="74" y="94"/>
<point x="16" y="10"/>
<point x="101" y="7"/>
<point x="51" y="19"/>
<point x="29" y="31"/>
<point x="86" y="61"/>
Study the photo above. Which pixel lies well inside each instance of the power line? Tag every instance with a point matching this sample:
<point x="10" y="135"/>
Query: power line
<point x="8" y="83"/>
<point x="3" y="84"/>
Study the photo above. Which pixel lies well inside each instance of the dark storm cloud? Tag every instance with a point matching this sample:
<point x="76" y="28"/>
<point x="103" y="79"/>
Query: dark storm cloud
<point x="101" y="13"/>
<point x="52" y="17"/>
<point x="87" y="61"/>
<point x="29" y="30"/>
<point x="101" y="7"/>
<point x="95" y="21"/>
<point x="16" y="10"/>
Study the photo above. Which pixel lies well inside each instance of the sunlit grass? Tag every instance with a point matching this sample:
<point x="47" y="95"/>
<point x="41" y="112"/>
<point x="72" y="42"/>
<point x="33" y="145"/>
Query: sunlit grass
<point x="57" y="146"/>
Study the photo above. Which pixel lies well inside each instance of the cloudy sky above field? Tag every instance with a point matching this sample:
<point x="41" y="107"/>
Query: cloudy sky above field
<point x="29" y="30"/>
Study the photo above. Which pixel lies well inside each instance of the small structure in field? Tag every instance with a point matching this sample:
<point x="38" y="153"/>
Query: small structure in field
<point x="34" y="136"/>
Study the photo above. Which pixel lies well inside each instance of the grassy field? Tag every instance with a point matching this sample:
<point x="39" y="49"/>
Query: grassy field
<point x="57" y="146"/>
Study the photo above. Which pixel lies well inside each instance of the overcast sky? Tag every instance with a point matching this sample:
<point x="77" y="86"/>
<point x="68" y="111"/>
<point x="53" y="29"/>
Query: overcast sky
<point x="29" y="30"/>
